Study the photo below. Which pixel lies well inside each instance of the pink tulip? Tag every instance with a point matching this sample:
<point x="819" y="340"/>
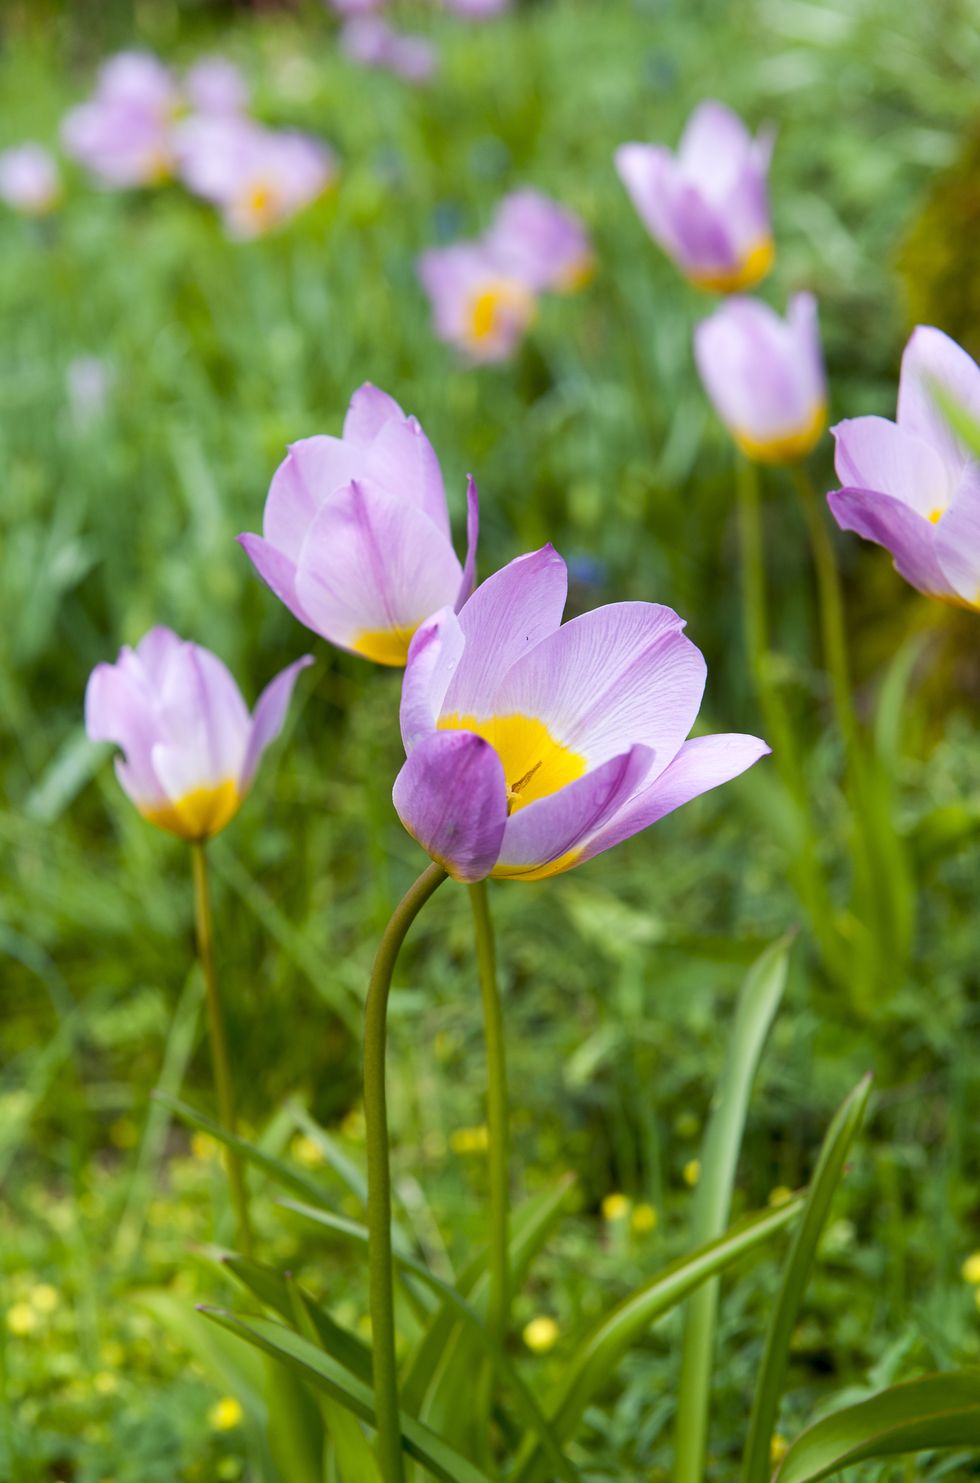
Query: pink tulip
<point x="533" y="745"/>
<point x="189" y="747"/>
<point x="356" y="539"/>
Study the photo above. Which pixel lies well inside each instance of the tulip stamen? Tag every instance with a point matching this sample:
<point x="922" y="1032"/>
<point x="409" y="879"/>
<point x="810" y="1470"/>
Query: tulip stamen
<point x="515" y="789"/>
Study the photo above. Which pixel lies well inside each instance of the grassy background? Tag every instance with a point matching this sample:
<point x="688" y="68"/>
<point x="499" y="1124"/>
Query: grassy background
<point x="619" y="977"/>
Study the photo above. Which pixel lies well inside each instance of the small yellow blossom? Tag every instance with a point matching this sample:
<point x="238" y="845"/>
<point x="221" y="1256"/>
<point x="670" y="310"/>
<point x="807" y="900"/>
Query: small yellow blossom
<point x="21" y="1319"/>
<point x="43" y="1298"/>
<point x="541" y="1334"/>
<point x="778" y="1448"/>
<point x="352" y="1125"/>
<point x="105" y="1382"/>
<point x="470" y="1140"/>
<point x="644" y="1219"/>
<point x="306" y="1152"/>
<point x="692" y="1172"/>
<point x="971" y="1269"/>
<point x="203" y="1147"/>
<point x="615" y="1207"/>
<point x="226" y="1414"/>
<point x="782" y="1194"/>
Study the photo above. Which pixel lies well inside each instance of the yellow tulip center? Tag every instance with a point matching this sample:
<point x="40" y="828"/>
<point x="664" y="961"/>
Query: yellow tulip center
<point x="936" y="515"/>
<point x="385" y="645"/>
<point x="787" y="447"/>
<point x="750" y="271"/>
<point x="198" y="814"/>
<point x="496" y="305"/>
<point x="535" y="764"/>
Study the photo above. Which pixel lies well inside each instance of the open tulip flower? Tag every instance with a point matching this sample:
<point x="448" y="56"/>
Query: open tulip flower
<point x="479" y="303"/>
<point x="912" y="485"/>
<point x="190" y="748"/>
<point x="258" y="178"/>
<point x="531" y="745"/>
<point x="124" y="133"/>
<point x="765" y="376"/>
<point x="708" y="205"/>
<point x="541" y="242"/>
<point x="371" y="42"/>
<point x="356" y="537"/>
<point x="29" y="179"/>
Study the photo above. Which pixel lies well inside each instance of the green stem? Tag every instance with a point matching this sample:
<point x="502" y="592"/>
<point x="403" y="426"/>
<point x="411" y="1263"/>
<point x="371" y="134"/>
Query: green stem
<point x="380" y="1270"/>
<point x="833" y="631"/>
<point x="220" y="1060"/>
<point x="498" y="1308"/>
<point x="806" y="870"/>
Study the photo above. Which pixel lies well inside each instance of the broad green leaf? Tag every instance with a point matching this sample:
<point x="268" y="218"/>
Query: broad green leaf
<point x="936" y="1411"/>
<point x="530" y="1227"/>
<point x="418" y="1440"/>
<point x="757" y="1005"/>
<point x="349" y="1173"/>
<point x="276" y="1293"/>
<point x="531" y="1412"/>
<point x="600" y="1352"/>
<point x="346" y="1449"/>
<point x="756" y="1466"/>
<point x="277" y="1169"/>
<point x="448" y="1403"/>
<point x="231" y="1369"/>
<point x="295" y="1429"/>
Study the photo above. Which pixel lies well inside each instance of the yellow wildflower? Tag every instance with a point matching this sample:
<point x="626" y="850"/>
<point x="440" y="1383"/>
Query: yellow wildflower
<point x="541" y="1334"/>
<point x="615" y="1207"/>
<point x="226" y="1414"/>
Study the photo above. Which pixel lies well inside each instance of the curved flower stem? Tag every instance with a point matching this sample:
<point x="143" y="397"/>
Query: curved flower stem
<point x="220" y="1060"/>
<point x="498" y="1308"/>
<point x="833" y="629"/>
<point x="806" y="869"/>
<point x="380" y="1271"/>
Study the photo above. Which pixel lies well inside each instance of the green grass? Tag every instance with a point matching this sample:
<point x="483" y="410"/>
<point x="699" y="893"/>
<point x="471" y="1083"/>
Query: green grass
<point x="620" y="977"/>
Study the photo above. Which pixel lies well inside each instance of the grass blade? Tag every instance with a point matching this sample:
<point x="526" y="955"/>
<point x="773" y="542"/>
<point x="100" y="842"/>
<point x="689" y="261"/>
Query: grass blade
<point x="757" y="1005"/>
<point x="532" y="1414"/>
<point x="935" y="1411"/>
<point x="601" y="1351"/>
<point x="325" y="1373"/>
<point x="769" y="1385"/>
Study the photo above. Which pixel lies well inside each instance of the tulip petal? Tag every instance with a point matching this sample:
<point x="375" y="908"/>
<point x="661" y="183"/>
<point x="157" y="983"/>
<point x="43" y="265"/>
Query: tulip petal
<point x="277" y="571"/>
<point x="433" y="656"/>
<point x="312" y="469"/>
<point x="957" y="539"/>
<point x="451" y="797"/>
<point x="507" y="615"/>
<point x="547" y="836"/>
<point x="714" y="145"/>
<point x="268" y="717"/>
<point x="402" y="461"/>
<point x="620" y="674"/>
<point x="370" y="408"/>
<point x="468" y="583"/>
<point x="116" y="710"/>
<point x="371" y="569"/>
<point x="873" y="453"/>
<point x="890" y="523"/>
<point x="201" y="696"/>
<point x="703" y="763"/>
<point x="644" y="170"/>
<point x="932" y="360"/>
